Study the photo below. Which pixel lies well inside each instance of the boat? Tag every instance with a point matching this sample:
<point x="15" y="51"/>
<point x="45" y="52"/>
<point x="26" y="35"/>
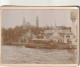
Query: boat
<point x="46" y="44"/>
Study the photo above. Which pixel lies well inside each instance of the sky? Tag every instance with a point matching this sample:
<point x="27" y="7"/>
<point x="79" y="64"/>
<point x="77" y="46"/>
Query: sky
<point x="12" y="18"/>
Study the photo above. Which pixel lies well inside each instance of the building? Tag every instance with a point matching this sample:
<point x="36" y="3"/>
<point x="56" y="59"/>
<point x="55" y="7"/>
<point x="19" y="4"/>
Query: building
<point x="58" y="34"/>
<point x="26" y="38"/>
<point x="26" y="24"/>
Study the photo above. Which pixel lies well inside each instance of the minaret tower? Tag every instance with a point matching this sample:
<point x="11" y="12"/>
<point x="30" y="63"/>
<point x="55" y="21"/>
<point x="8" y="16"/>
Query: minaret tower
<point x="37" y="22"/>
<point x="37" y="26"/>
<point x="24" y="23"/>
<point x="73" y="18"/>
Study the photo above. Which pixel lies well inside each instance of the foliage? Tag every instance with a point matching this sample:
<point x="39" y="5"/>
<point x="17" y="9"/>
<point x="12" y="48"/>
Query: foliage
<point x="13" y="34"/>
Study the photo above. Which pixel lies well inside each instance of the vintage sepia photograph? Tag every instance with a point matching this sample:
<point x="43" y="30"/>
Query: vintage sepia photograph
<point x="39" y="36"/>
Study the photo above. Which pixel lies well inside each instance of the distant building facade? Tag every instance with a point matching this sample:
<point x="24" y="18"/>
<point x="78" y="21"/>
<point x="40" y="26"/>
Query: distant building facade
<point x="61" y="34"/>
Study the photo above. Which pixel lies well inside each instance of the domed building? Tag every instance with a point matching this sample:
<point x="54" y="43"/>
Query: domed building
<point x="55" y="37"/>
<point x="26" y="24"/>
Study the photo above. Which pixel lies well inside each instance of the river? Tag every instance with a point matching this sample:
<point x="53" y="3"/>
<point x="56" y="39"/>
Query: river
<point x="23" y="55"/>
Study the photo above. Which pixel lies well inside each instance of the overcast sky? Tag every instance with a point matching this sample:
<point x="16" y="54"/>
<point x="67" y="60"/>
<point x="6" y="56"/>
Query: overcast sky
<point x="12" y="18"/>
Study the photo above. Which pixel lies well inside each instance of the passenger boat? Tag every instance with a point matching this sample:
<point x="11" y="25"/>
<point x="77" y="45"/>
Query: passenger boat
<point x="45" y="44"/>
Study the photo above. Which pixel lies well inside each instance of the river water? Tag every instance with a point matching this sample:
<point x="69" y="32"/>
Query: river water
<point x="23" y="55"/>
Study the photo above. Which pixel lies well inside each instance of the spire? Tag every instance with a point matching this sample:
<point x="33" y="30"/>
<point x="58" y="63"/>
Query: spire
<point x="24" y="20"/>
<point x="55" y="23"/>
<point x="55" y="28"/>
<point x="51" y="27"/>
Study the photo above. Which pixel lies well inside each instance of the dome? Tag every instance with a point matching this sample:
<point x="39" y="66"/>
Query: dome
<point x="55" y="35"/>
<point x="28" y="24"/>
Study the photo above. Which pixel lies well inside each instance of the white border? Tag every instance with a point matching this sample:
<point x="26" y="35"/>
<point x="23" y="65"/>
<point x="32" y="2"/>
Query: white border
<point x="40" y="2"/>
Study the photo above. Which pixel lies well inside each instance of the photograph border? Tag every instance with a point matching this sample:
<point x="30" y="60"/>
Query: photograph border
<point x="13" y="8"/>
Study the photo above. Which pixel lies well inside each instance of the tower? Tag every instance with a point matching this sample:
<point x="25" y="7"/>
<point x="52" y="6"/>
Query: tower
<point x="37" y="22"/>
<point x="24" y="23"/>
<point x="37" y="26"/>
<point x="73" y="18"/>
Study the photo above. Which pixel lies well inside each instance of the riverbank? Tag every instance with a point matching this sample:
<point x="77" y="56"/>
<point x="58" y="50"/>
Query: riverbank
<point x="44" y="45"/>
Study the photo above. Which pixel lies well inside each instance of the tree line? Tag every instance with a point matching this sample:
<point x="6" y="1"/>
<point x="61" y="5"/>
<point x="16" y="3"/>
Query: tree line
<point x="13" y="34"/>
